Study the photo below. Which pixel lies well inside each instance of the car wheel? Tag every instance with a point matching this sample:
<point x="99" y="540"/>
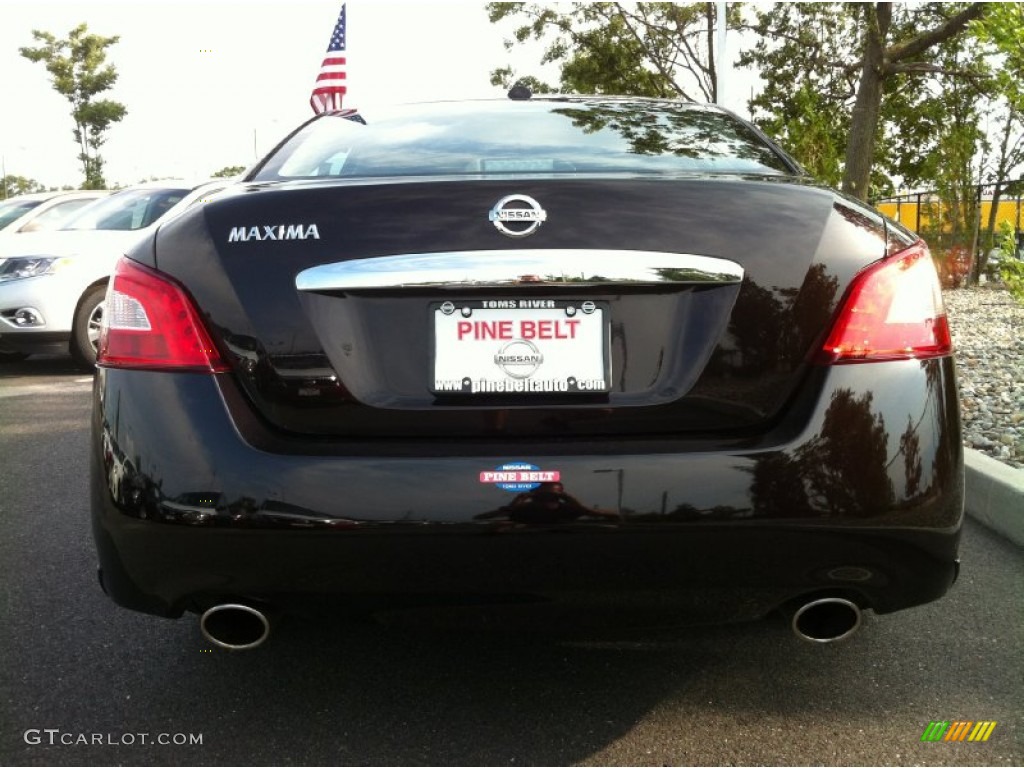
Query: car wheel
<point x="85" y="334"/>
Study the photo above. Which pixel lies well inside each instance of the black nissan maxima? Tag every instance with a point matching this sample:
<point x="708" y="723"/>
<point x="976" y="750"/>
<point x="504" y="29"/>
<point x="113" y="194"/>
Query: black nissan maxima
<point x="587" y="357"/>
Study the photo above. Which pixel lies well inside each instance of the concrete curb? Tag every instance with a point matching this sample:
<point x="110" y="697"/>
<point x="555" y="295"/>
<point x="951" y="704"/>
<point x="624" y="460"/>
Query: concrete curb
<point x="995" y="495"/>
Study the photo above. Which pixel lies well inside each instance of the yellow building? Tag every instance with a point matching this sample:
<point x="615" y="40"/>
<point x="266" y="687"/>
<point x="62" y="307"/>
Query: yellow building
<point x="916" y="212"/>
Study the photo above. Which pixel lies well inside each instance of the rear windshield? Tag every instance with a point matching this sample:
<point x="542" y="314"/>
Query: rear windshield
<point x="54" y="216"/>
<point x="13" y="209"/>
<point x="546" y="137"/>
<point x="127" y="210"/>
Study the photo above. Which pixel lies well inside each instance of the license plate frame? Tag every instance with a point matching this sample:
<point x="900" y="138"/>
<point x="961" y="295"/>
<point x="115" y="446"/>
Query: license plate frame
<point x="520" y="347"/>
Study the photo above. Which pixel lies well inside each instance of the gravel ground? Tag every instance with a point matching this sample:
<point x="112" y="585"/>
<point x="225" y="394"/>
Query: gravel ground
<point x="988" y="335"/>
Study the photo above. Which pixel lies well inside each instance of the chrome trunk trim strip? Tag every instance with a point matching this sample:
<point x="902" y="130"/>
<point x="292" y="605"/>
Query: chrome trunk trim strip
<point x="504" y="268"/>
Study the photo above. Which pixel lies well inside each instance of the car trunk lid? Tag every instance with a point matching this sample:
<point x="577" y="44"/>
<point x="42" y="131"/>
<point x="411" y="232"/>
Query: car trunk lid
<point x="348" y="308"/>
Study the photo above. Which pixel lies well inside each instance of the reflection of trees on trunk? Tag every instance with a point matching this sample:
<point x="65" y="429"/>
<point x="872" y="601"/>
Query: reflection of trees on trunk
<point x="910" y="447"/>
<point x="846" y="463"/>
<point x="774" y="330"/>
<point x="753" y="331"/>
<point x="944" y="461"/>
<point x="850" y="468"/>
<point x="810" y="310"/>
<point x="778" y="487"/>
<point x="841" y="472"/>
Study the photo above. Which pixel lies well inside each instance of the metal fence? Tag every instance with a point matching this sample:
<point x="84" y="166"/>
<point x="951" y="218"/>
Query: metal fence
<point x="956" y="229"/>
<point x="926" y="211"/>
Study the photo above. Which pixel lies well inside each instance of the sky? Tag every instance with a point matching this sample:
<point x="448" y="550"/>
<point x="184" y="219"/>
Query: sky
<point x="212" y="83"/>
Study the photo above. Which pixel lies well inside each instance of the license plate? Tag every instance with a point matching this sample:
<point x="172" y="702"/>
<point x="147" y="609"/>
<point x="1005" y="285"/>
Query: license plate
<point x="520" y="347"/>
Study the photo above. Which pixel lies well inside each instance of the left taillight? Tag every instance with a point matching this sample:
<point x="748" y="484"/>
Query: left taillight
<point x="150" y="322"/>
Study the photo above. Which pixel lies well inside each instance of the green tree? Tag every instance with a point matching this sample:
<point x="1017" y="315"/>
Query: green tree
<point x="1010" y="269"/>
<point x="936" y="139"/>
<point x="640" y="49"/>
<point x="804" y="103"/>
<point x="1008" y="123"/>
<point x="227" y="171"/>
<point x="859" y="70"/>
<point x="884" y="58"/>
<point x="11" y="186"/>
<point x="1002" y="30"/>
<point x="78" y="71"/>
<point x="1003" y="27"/>
<point x="839" y="76"/>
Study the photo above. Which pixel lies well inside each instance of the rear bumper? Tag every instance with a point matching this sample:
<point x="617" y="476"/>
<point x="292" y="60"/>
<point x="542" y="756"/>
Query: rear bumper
<point x="194" y="501"/>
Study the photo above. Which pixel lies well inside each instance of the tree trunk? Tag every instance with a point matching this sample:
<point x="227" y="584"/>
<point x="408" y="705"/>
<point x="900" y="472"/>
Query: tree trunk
<point x="981" y="257"/>
<point x="860" y="145"/>
<point x="981" y="254"/>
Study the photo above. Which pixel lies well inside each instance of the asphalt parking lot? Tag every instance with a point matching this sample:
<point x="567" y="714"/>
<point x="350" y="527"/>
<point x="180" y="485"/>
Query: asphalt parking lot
<point x="87" y="683"/>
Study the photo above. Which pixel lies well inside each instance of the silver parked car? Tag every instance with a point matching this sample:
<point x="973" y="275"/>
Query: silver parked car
<point x="52" y="283"/>
<point x="40" y="211"/>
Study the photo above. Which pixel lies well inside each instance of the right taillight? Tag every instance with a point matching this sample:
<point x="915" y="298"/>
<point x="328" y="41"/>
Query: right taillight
<point x="892" y="311"/>
<point x="150" y="322"/>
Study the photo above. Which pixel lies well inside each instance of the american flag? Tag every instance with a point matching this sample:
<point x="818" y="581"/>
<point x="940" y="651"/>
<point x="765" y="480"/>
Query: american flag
<point x="330" y="83"/>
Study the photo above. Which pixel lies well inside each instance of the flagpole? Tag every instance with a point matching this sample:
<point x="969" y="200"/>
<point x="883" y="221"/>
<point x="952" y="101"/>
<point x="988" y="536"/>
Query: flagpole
<point x="720" y="54"/>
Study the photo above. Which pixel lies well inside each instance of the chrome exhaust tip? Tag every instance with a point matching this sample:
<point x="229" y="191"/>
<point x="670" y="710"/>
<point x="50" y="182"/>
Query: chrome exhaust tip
<point x="235" y="626"/>
<point x="827" y="620"/>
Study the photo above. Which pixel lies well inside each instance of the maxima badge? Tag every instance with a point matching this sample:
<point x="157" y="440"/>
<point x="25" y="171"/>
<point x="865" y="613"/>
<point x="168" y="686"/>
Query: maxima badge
<point x="511" y="210"/>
